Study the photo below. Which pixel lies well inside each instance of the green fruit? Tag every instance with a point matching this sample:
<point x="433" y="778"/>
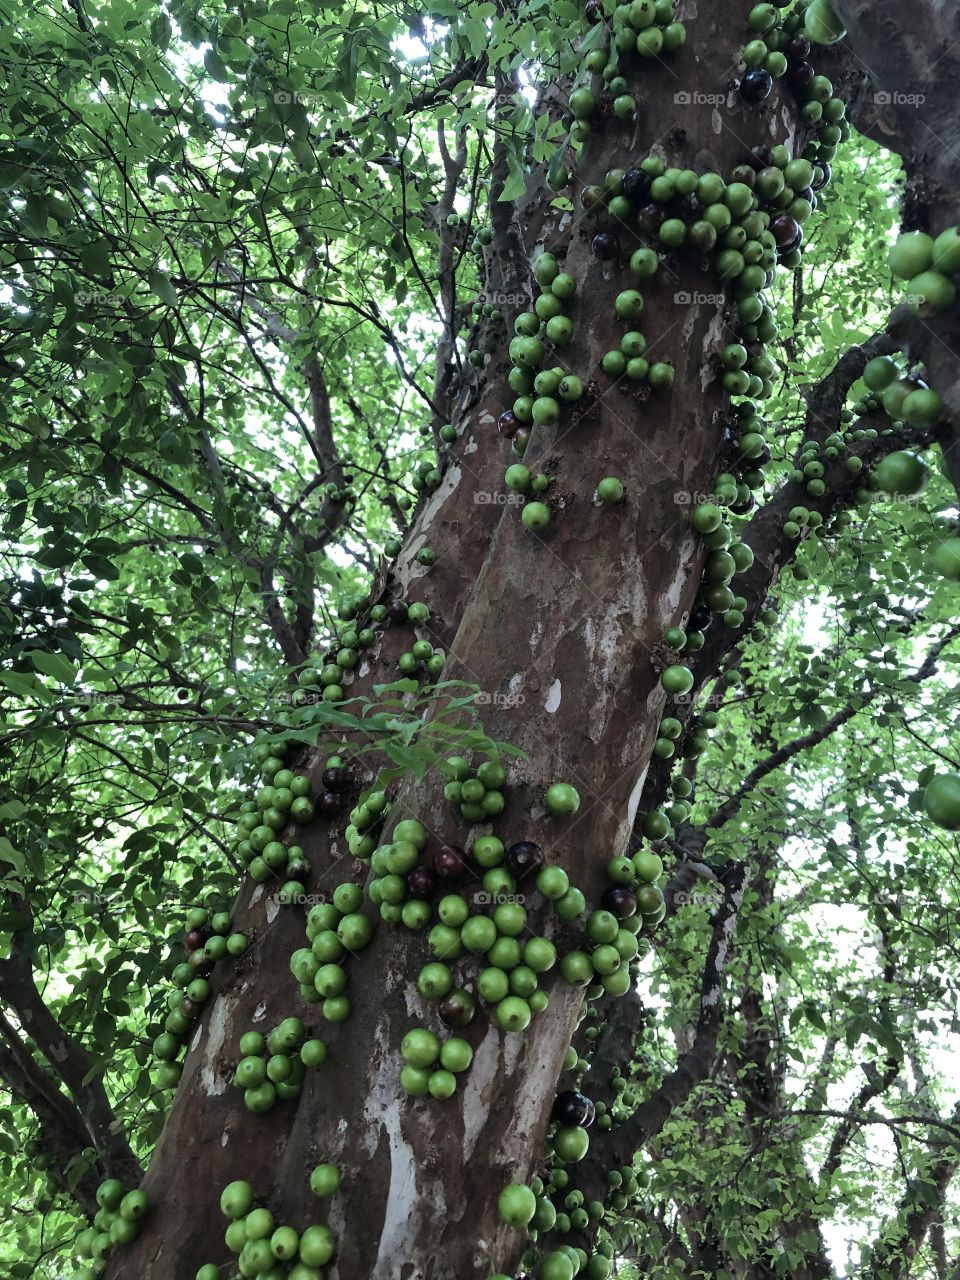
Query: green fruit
<point x="901" y="472"/>
<point x="941" y="799"/>
<point x="455" y="1054"/>
<point x="442" y="1084"/>
<point x="821" y="24"/>
<point x="513" y="1014"/>
<point x="582" y="104"/>
<point x="576" y="968"/>
<point x="536" y="516"/>
<point x="930" y="293"/>
<point x="553" y="882"/>
<point x="420" y="1048"/>
<point x="571" y="1143"/>
<point x="313" y="1053"/>
<point x="325" y="1180"/>
<point x="922" y="408"/>
<point x="610" y="490"/>
<point x="562" y="800"/>
<point x="677" y="680"/>
<point x="236" y="1200"/>
<point x="628" y="305"/>
<point x="284" y="1244"/>
<point x="706" y="517"/>
<point x="946" y="561"/>
<point x="317" y="1246"/>
<point x="946" y="251"/>
<point x="880" y="372"/>
<point x="478" y="934"/>
<point x="911" y="255"/>
<point x="517" y="1205"/>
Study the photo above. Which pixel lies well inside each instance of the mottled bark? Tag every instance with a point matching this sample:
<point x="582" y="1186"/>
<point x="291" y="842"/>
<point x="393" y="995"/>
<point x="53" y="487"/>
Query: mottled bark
<point x="561" y="634"/>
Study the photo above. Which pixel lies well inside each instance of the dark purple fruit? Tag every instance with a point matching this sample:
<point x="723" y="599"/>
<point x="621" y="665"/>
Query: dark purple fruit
<point x="761" y="157"/>
<point x="507" y="423"/>
<point x="744" y="173"/>
<point x="756" y="85"/>
<point x="651" y="217"/>
<point x="797" y="50"/>
<point x="193" y="940"/>
<point x="457" y="1009"/>
<point x="636" y="185"/>
<point x="593" y="11"/>
<point x="335" y="779"/>
<point x="573" y="1108"/>
<point x="449" y="862"/>
<point x="820" y="182"/>
<point x="784" y="229"/>
<point x="701" y="618"/>
<point x="422" y="882"/>
<point x="397" y="612"/>
<point x="524" y="858"/>
<point x="800" y="76"/>
<point x="619" y="901"/>
<point x="328" y="803"/>
<point x="604" y="246"/>
<point x="740" y="508"/>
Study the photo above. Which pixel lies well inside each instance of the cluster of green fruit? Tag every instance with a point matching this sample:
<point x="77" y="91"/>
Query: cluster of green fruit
<point x="430" y="1067"/>
<point x="647" y="28"/>
<point x="334" y="930"/>
<point x="781" y="49"/>
<point x="519" y="478"/>
<point x="903" y="399"/>
<point x="541" y="393"/>
<point x="208" y="939"/>
<point x="271" y="1067"/>
<point x="633" y="900"/>
<point x="929" y="266"/>
<point x="284" y="797"/>
<point x="266" y="1249"/>
<point x="329" y="677"/>
<point x="116" y="1222"/>
<point x="478" y="793"/>
<point x="534" y="1208"/>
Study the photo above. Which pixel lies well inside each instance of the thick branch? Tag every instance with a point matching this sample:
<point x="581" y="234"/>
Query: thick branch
<point x="72" y="1065"/>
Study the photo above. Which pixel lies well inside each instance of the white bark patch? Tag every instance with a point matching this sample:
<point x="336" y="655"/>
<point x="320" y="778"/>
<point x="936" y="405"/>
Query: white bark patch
<point x="259" y="1012"/>
<point x="210" y="1081"/>
<point x="716" y="122"/>
<point x="479" y="1093"/>
<point x="225" y="1139"/>
<point x="516" y="684"/>
<point x="552" y="704"/>
<point x="273" y="910"/>
<point x="712" y="340"/>
<point x="633" y="804"/>
<point x="536" y="636"/>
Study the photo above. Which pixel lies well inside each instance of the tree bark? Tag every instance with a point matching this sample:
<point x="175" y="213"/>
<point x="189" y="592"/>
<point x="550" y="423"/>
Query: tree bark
<point x="562" y="634"/>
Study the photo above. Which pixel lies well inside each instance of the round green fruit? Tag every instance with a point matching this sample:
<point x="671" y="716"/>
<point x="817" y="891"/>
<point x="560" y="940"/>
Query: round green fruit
<point x="941" y="799"/>
<point x="517" y="1205"/>
<point x="562" y="800"/>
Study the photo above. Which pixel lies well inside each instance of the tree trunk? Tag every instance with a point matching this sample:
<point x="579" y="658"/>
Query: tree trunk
<point x="563" y="635"/>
